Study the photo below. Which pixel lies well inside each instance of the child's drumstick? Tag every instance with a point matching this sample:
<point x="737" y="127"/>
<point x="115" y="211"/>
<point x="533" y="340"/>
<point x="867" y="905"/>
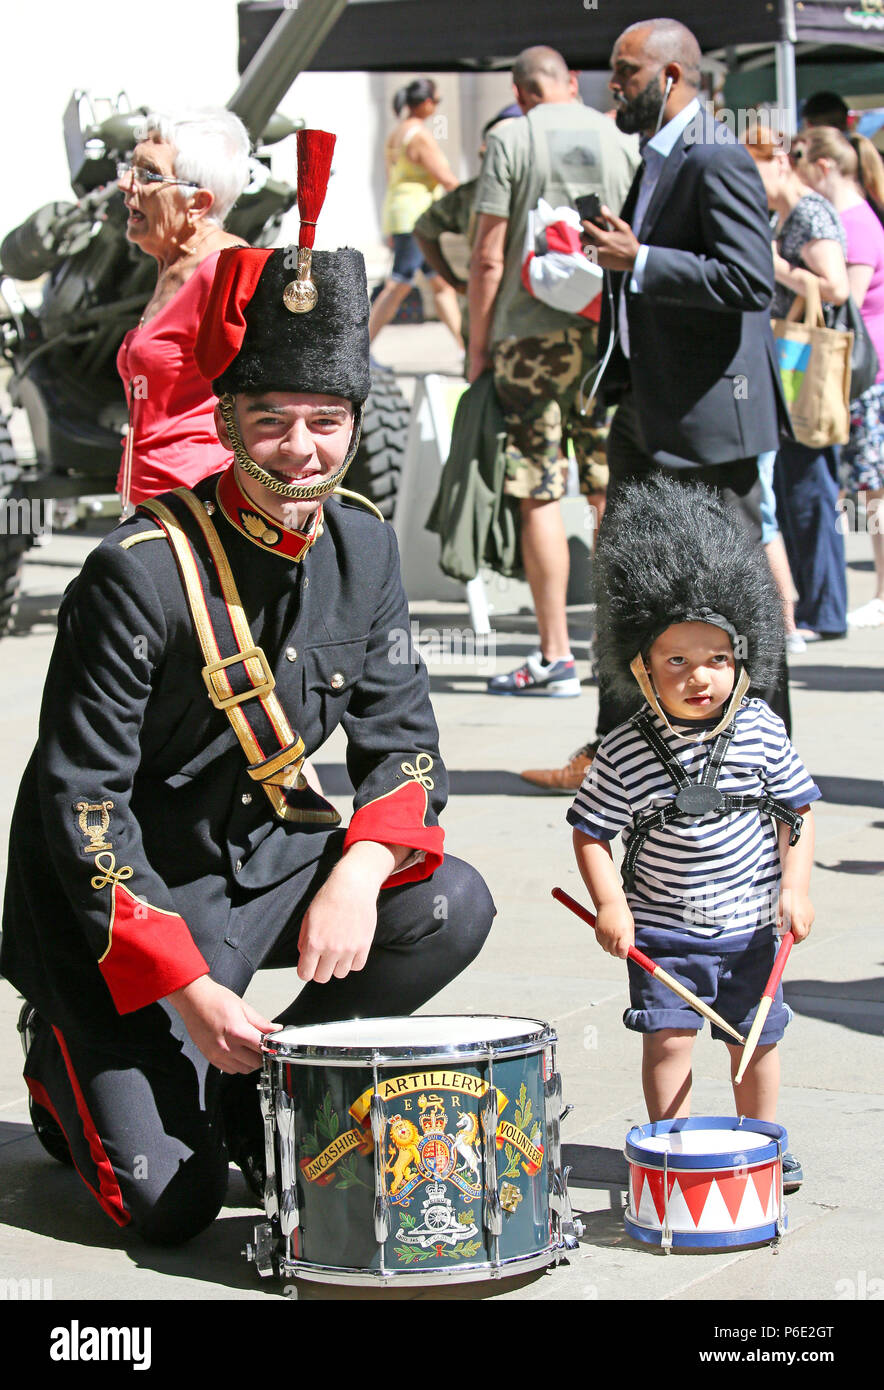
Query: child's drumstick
<point x="770" y="989"/>
<point x="653" y="969"/>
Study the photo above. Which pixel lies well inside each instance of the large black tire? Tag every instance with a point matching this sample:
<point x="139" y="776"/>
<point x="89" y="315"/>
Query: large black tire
<point x="15" y="536"/>
<point x="380" y="458"/>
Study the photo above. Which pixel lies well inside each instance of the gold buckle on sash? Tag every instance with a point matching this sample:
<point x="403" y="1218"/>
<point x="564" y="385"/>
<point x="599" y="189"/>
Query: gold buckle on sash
<point x="211" y="669"/>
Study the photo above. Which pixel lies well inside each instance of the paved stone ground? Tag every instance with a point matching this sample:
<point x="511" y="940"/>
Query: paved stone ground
<point x="540" y="962"/>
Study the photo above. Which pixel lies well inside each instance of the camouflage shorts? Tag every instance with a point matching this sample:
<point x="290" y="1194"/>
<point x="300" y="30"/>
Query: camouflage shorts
<point x="537" y="381"/>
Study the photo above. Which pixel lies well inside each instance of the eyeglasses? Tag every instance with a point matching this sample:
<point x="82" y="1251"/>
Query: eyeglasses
<point x="139" y="174"/>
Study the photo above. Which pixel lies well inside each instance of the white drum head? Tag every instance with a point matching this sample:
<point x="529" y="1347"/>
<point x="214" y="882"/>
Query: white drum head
<point x="427" y="1035"/>
<point x="705" y="1141"/>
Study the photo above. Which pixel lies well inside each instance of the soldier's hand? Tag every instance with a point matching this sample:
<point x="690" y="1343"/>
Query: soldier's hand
<point x="339" y="925"/>
<point x="226" y="1030"/>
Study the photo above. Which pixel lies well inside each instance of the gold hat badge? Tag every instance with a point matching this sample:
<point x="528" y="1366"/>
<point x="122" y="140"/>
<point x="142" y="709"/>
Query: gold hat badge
<point x="315" y="148"/>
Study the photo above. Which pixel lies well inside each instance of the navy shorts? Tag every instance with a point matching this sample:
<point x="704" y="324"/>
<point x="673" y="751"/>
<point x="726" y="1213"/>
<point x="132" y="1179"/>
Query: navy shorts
<point x="408" y="259"/>
<point x="731" y="982"/>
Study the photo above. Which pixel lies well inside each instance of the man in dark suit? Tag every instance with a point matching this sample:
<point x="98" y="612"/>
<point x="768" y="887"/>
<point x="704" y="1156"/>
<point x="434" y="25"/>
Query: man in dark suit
<point x="693" y="370"/>
<point x="164" y="844"/>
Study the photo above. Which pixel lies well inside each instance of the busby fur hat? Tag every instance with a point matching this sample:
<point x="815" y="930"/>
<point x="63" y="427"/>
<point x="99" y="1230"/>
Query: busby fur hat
<point x="293" y="319"/>
<point x="324" y="350"/>
<point x="672" y="553"/>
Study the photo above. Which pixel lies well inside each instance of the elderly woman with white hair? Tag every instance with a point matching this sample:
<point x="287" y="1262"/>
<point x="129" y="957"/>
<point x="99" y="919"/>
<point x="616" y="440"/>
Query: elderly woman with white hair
<point x="184" y="176"/>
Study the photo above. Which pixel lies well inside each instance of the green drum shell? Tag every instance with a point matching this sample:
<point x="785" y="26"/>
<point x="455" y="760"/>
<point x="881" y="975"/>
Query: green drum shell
<point x="434" y="1161"/>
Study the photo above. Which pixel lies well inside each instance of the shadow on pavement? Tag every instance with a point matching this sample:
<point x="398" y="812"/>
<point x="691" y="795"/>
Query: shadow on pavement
<point x="853" y="866"/>
<point x="854" y="1004"/>
<point x="44" y="1198"/>
<point x="849" y="679"/>
<point x="852" y="791"/>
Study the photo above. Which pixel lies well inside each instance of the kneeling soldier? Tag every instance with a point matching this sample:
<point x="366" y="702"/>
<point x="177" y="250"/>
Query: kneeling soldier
<point x="165" y="844"/>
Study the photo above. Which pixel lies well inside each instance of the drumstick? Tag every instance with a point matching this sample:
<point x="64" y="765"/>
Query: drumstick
<point x="770" y="989"/>
<point x="653" y="969"/>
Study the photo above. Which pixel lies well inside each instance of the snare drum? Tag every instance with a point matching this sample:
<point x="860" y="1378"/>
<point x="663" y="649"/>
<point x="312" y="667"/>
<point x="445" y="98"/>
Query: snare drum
<point x="422" y="1150"/>
<point x="706" y="1184"/>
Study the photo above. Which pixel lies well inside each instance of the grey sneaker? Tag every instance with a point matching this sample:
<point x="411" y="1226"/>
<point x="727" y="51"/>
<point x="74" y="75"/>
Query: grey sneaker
<point x="793" y="1173"/>
<point x="536" y="677"/>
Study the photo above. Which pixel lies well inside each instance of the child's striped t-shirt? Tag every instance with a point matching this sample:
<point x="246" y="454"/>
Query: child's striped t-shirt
<point x="710" y="876"/>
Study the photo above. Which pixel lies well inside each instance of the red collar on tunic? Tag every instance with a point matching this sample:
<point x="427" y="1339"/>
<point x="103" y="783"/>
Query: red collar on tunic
<point x="259" y="527"/>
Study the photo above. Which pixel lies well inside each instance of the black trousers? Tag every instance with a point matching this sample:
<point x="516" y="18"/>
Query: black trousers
<point x="739" y="487"/>
<point x="143" y="1117"/>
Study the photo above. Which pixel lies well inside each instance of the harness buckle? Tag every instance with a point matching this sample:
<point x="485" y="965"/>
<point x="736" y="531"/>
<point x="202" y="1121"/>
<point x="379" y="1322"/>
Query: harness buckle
<point x="264" y="686"/>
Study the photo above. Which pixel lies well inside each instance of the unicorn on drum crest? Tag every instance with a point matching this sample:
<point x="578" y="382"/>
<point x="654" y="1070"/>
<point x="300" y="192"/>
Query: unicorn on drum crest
<point x="711" y="798"/>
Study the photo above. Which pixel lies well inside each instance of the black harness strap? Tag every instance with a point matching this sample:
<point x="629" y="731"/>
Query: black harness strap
<point x="694" y="799"/>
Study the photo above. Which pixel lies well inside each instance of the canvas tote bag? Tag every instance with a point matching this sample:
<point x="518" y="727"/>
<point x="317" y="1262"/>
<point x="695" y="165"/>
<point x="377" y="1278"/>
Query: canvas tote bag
<point x="814" y="364"/>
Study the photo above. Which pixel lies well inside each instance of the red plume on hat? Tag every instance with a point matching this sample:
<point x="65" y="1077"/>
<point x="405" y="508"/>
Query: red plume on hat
<point x="315" y="149"/>
<point x="239" y="269"/>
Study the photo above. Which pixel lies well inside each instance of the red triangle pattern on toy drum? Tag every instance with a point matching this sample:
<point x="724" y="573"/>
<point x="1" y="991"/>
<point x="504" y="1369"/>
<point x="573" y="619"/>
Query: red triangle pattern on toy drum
<point x="763" y="1180"/>
<point x="654" y="1180"/>
<point x="732" y="1188"/>
<point x="695" y="1190"/>
<point x="637" y="1176"/>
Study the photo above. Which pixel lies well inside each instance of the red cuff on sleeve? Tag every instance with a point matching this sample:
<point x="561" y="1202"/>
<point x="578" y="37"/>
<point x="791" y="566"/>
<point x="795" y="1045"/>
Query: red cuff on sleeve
<point x="150" y="953"/>
<point x="398" y="819"/>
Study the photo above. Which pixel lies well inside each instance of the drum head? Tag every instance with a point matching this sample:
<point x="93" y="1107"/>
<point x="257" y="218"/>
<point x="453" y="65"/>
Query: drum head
<point x="427" y="1035"/>
<point x="705" y="1142"/>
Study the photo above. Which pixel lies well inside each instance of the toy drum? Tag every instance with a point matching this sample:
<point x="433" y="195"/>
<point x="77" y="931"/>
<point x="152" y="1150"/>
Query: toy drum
<point x="421" y="1150"/>
<point x="706" y="1184"/>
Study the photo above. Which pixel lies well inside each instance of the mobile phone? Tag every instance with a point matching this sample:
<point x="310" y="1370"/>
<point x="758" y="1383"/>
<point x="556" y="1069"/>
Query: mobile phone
<point x="589" y="209"/>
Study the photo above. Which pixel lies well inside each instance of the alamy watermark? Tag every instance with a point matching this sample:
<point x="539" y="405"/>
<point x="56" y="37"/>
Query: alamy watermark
<point x="446" y="646"/>
<point x="26" y="516"/>
<point x="742" y="124"/>
<point x="28" y="1290"/>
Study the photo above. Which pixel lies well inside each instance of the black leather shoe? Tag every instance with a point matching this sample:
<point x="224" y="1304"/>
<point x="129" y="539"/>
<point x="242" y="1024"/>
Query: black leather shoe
<point x="46" y="1127"/>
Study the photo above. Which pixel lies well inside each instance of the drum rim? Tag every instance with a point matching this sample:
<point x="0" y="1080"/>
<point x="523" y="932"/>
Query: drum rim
<point x="701" y="1240"/>
<point x="465" y="1273"/>
<point x="724" y="1159"/>
<point x="316" y="1054"/>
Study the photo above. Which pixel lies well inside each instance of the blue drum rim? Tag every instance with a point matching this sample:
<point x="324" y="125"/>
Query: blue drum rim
<point x="653" y="1158"/>
<point x="706" y="1240"/>
<point x="367" y="1056"/>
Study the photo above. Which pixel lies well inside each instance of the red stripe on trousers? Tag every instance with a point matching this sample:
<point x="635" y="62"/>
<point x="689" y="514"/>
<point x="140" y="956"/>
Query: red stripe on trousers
<point x="108" y="1196"/>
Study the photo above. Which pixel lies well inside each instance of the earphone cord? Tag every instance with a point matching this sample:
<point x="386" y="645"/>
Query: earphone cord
<point x="597" y="370"/>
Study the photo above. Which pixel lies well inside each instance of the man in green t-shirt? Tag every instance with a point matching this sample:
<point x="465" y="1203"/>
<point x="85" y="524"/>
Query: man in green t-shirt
<point x="539" y="355"/>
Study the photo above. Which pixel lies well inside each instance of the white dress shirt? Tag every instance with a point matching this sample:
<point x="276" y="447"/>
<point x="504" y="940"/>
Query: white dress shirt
<point x="655" y="152"/>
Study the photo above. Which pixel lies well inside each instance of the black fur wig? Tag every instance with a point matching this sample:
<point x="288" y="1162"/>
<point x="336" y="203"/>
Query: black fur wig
<point x="323" y="351"/>
<point x="670" y="553"/>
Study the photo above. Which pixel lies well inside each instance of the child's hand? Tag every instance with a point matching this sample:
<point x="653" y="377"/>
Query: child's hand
<point x="795" y="913"/>
<point x="615" y="929"/>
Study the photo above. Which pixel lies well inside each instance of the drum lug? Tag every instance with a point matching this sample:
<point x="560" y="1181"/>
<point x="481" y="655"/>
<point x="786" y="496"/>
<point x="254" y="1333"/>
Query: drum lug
<point x="492" y="1212"/>
<point x="271" y="1202"/>
<point x="666" y="1232"/>
<point x="572" y="1226"/>
<point x="381" y="1202"/>
<point x="289" y="1217"/>
<point x="261" y="1253"/>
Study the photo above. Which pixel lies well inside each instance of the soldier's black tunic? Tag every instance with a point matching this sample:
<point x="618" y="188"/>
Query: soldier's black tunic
<point x="217" y="882"/>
